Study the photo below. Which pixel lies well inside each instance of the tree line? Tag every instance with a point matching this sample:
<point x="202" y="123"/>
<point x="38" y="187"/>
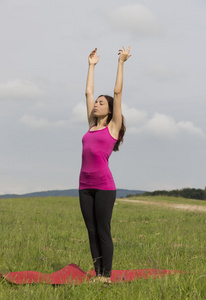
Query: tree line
<point x="189" y="193"/>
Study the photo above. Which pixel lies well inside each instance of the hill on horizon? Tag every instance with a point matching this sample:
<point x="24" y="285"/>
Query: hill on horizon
<point x="121" y="193"/>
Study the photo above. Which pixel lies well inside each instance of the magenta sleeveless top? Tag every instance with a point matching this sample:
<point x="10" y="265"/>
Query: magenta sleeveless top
<point x="97" y="148"/>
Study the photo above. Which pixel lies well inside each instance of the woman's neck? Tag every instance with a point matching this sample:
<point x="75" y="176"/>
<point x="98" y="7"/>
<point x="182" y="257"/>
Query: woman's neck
<point x="102" y="122"/>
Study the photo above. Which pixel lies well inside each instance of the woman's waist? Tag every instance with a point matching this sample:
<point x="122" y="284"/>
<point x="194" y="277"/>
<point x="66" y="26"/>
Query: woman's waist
<point x="99" y="179"/>
<point x="95" y="171"/>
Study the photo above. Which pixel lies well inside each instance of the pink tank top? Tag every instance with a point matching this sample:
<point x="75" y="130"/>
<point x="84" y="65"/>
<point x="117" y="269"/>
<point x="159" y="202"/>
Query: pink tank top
<point x="97" y="148"/>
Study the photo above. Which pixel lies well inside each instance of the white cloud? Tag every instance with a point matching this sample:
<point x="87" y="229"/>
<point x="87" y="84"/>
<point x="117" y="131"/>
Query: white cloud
<point x="161" y="125"/>
<point x="34" y="122"/>
<point x="164" y="126"/>
<point x="79" y="113"/>
<point x="39" y="123"/>
<point x="135" y="18"/>
<point x="133" y="116"/>
<point x="19" y="88"/>
<point x="190" y="128"/>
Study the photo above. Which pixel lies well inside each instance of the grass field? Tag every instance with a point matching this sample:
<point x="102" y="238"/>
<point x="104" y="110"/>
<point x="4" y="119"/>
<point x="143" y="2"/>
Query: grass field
<point x="46" y="234"/>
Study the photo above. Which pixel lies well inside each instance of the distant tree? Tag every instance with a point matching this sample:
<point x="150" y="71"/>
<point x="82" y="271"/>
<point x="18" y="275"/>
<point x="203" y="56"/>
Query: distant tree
<point x="192" y="193"/>
<point x="174" y="193"/>
<point x="204" y="194"/>
<point x="189" y="193"/>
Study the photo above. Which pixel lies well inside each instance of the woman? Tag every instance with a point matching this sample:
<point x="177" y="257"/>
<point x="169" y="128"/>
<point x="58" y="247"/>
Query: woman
<point x="97" y="189"/>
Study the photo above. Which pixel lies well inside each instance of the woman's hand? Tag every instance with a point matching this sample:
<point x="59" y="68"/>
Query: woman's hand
<point x="124" y="54"/>
<point x="93" y="58"/>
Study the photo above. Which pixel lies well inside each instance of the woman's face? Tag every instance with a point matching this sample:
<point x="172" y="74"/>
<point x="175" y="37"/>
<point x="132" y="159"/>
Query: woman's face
<point x="101" y="107"/>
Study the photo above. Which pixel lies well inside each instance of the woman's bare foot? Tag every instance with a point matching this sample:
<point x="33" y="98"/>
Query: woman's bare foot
<point x="101" y="279"/>
<point x="105" y="279"/>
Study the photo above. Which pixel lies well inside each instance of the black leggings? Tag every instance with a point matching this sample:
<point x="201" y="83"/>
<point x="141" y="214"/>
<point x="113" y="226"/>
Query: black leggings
<point x="96" y="207"/>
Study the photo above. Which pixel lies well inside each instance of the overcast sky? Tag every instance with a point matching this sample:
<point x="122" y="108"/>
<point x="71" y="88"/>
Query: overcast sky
<point x="44" y="48"/>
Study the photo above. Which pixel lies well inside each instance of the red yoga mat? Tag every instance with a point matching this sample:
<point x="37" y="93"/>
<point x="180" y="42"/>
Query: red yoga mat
<point x="72" y="274"/>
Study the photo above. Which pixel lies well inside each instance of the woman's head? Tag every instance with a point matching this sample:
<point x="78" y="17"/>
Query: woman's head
<point x="104" y="105"/>
<point x="101" y="107"/>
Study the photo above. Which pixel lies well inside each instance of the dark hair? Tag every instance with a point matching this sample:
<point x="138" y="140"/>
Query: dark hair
<point x="122" y="131"/>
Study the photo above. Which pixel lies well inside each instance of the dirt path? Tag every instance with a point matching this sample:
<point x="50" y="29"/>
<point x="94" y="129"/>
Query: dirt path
<point x="164" y="204"/>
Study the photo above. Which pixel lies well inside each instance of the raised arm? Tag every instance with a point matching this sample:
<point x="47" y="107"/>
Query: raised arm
<point x="93" y="60"/>
<point x="117" y="111"/>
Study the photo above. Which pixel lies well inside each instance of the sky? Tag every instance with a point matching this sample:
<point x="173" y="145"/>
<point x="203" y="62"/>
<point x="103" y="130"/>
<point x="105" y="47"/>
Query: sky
<point x="44" y="50"/>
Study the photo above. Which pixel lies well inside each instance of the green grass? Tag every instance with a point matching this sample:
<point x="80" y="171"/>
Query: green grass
<point x="46" y="234"/>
